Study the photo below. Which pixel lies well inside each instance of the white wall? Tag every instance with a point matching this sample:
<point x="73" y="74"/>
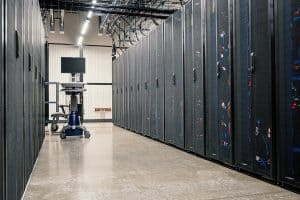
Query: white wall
<point x="98" y="70"/>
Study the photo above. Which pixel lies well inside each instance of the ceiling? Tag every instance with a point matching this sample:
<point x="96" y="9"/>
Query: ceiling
<point x="124" y="20"/>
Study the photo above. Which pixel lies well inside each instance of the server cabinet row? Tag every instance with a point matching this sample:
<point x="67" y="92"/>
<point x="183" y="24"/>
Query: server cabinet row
<point x="22" y="88"/>
<point x="288" y="97"/>
<point x="221" y="79"/>
<point x="2" y="136"/>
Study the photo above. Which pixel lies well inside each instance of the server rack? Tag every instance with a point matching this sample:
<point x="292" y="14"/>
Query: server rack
<point x="26" y="89"/>
<point x="288" y="86"/>
<point x="118" y="92"/>
<point x="174" y="105"/>
<point x="115" y="108"/>
<point x="113" y="91"/>
<point x="139" y="87"/>
<point x="14" y="105"/>
<point x="194" y="76"/>
<point x="130" y="88"/>
<point x="218" y="80"/>
<point x="156" y="84"/>
<point x="2" y="134"/>
<point x="134" y="89"/>
<point x="146" y="81"/>
<point x="254" y="95"/>
<point x="121" y="96"/>
<point x="160" y="70"/>
<point x="153" y="80"/>
<point x="126" y="71"/>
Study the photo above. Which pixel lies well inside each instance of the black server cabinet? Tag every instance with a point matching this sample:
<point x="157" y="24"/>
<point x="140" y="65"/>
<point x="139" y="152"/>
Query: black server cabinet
<point x="138" y="59"/>
<point x="2" y="136"/>
<point x="31" y="83"/>
<point x="153" y="94"/>
<point x="174" y="105"/>
<point x="26" y="88"/>
<point x="118" y="82"/>
<point x="115" y="109"/>
<point x="129" y="91"/>
<point x="218" y="80"/>
<point x="288" y="94"/>
<point x="157" y="84"/>
<point x="122" y="86"/>
<point x="194" y="76"/>
<point x="113" y="91"/>
<point x="119" y="91"/>
<point x="14" y="106"/>
<point x="130" y="88"/>
<point x="121" y="74"/>
<point x="146" y="88"/>
<point x="253" y="87"/>
<point x="134" y="89"/>
<point x="126" y="72"/>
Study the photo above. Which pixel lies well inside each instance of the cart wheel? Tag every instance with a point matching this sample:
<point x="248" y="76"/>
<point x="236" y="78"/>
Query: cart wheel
<point x="63" y="136"/>
<point x="87" y="134"/>
<point x="54" y="127"/>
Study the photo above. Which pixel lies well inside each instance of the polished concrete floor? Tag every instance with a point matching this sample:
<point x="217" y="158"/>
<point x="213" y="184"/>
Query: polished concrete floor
<point x="116" y="164"/>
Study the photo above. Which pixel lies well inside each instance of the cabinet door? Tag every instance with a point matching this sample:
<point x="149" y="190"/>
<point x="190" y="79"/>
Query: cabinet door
<point x="160" y="95"/>
<point x="174" y="80"/>
<point x="153" y="80"/>
<point x="140" y="87"/>
<point x="224" y="69"/>
<point x="2" y="137"/>
<point x="169" y="82"/>
<point x="147" y="86"/>
<point x="193" y="62"/>
<point x="212" y="141"/>
<point x="218" y="80"/>
<point x="253" y="87"/>
<point x="288" y="86"/>
<point x="189" y="77"/>
<point x="261" y="86"/>
<point x="242" y="77"/>
<point x="178" y="79"/>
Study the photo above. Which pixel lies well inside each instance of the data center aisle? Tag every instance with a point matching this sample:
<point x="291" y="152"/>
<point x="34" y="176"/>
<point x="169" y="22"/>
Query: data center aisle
<point x="118" y="164"/>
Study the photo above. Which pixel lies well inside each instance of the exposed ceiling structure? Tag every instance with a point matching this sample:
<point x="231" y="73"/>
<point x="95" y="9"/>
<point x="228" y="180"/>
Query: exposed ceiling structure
<point x="125" y="20"/>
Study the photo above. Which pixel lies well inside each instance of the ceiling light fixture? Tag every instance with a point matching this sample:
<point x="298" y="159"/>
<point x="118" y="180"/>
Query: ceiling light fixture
<point x="80" y="40"/>
<point x="89" y="15"/>
<point x="85" y="27"/>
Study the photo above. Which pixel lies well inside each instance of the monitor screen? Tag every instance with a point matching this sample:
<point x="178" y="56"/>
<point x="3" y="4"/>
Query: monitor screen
<point x="72" y="65"/>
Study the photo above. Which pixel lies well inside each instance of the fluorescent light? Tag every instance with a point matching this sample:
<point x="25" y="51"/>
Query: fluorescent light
<point x="85" y="27"/>
<point x="94" y="1"/>
<point x="89" y="15"/>
<point x="80" y="40"/>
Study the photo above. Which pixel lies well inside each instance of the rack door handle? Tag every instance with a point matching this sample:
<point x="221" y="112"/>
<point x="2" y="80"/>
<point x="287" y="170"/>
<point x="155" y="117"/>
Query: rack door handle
<point x="157" y="83"/>
<point x="17" y="44"/>
<point x="252" y="62"/>
<point x="194" y="74"/>
<point x="218" y="69"/>
<point x="174" y="79"/>
<point x="145" y="85"/>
